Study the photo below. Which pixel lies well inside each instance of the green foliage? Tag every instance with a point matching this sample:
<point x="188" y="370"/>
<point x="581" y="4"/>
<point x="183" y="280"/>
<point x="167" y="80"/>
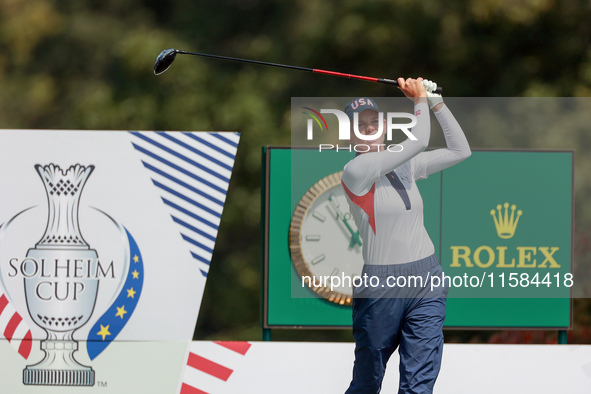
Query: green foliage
<point x="88" y="65"/>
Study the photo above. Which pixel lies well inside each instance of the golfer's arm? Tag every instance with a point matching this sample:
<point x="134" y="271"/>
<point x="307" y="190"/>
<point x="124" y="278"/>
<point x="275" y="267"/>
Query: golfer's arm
<point x="456" y="151"/>
<point x="410" y="148"/>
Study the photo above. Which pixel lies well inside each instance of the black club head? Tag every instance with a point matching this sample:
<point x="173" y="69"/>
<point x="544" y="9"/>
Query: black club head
<point x="164" y="60"/>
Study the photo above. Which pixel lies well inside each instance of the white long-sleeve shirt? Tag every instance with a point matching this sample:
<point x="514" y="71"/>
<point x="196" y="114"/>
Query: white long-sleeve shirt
<point x="390" y="221"/>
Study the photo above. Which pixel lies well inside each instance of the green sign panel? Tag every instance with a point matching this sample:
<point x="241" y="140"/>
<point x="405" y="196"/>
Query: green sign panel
<point x="507" y="226"/>
<point x="501" y="223"/>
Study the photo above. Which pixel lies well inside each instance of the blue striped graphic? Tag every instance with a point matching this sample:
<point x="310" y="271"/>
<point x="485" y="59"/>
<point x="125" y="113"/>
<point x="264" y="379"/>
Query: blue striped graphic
<point x="172" y="152"/>
<point x="185" y="185"/>
<point x="224" y="139"/>
<point x="206" y="143"/>
<point x="212" y="159"/>
<point x="181" y="209"/>
<point x="198" y="244"/>
<point x="185" y="224"/>
<point x="191" y="171"/>
<point x="180" y="169"/>
<point x="197" y="257"/>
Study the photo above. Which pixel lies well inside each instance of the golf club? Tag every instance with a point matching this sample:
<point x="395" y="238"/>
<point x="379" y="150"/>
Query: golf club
<point x="166" y="57"/>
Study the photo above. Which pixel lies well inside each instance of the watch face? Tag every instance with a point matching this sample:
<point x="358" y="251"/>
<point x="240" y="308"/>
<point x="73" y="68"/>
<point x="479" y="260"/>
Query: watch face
<point x="324" y="241"/>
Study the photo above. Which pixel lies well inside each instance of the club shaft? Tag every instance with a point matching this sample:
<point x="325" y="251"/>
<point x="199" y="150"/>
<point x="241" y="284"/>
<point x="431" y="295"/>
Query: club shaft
<point x="314" y="70"/>
<point x="235" y="59"/>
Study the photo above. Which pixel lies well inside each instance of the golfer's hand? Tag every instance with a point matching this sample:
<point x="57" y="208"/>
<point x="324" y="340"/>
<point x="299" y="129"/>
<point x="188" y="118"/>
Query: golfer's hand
<point x="434" y="99"/>
<point x="413" y="89"/>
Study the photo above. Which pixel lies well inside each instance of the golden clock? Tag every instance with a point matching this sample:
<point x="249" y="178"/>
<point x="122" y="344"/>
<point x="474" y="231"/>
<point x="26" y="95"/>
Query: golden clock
<point x="324" y="241"/>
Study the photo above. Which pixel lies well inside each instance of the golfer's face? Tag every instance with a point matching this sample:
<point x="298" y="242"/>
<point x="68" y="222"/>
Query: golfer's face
<point x="369" y="124"/>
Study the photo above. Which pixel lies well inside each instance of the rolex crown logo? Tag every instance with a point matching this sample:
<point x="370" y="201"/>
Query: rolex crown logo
<point x="505" y="223"/>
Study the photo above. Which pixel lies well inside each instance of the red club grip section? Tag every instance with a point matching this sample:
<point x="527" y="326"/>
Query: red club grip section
<point x="345" y="75"/>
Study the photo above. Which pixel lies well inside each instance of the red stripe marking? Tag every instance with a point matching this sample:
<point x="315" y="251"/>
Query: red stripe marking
<point x="3" y="303"/>
<point x="238" y="347"/>
<point x="25" y="347"/>
<point x="209" y="367"/>
<point x="12" y="325"/>
<point x="186" y="389"/>
<point x="365" y="202"/>
<point x="345" y="75"/>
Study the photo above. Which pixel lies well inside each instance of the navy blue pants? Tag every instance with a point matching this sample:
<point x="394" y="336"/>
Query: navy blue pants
<point x="400" y="312"/>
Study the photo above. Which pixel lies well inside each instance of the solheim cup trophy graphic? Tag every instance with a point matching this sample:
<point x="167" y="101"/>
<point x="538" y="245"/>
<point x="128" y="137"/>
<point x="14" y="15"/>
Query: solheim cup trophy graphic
<point x="61" y="280"/>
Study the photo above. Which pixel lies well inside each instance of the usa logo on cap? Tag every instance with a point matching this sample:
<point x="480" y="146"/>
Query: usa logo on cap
<point x="362" y="101"/>
<point x="360" y="105"/>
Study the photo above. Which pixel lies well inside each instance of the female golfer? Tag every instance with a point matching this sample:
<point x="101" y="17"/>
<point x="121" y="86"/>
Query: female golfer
<point x="402" y="311"/>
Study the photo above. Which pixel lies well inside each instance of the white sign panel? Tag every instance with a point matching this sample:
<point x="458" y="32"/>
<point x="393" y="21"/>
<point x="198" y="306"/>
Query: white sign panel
<point x="104" y="236"/>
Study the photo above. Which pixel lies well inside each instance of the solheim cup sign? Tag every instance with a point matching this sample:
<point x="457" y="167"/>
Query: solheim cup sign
<point x="95" y="248"/>
<point x="61" y="274"/>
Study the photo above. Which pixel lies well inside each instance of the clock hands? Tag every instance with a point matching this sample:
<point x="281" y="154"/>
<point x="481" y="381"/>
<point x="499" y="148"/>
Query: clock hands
<point x="355" y="239"/>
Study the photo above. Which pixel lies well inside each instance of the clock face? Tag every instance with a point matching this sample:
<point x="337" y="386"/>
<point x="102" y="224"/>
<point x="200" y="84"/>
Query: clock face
<point x="324" y="241"/>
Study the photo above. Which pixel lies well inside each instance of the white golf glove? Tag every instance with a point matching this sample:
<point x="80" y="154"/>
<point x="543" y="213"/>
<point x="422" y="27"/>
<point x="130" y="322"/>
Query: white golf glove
<point x="432" y="98"/>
